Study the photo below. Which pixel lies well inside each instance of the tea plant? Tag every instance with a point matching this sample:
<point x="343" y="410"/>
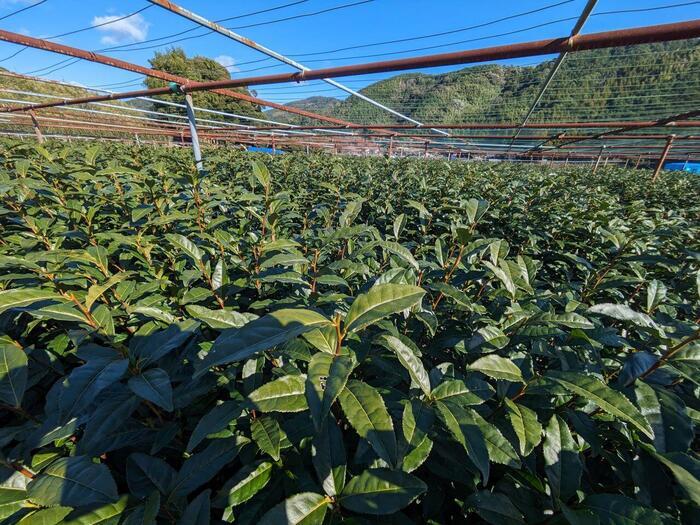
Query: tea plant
<point x="310" y="339"/>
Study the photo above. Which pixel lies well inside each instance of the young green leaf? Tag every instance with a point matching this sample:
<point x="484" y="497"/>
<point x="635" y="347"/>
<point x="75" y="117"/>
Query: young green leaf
<point x="526" y="426"/>
<point x="328" y="457"/>
<point x="621" y="510"/>
<point x="409" y="361"/>
<point x="13" y="374"/>
<point x="73" y="482"/>
<point x="198" y="512"/>
<point x="285" y="394"/>
<point x="366" y="412"/>
<point x="464" y="427"/>
<point x="108" y="513"/>
<point x="97" y="290"/>
<point x="203" y="466"/>
<point x="381" y="491"/>
<point x="381" y="301"/>
<point x="154" y="385"/>
<point x="267" y="434"/>
<point x="261" y="334"/>
<point x="20" y="297"/>
<point x="326" y="378"/>
<point x="684" y="468"/>
<point x="307" y="508"/>
<point x="561" y="459"/>
<point x="606" y="398"/>
<point x="217" y="419"/>
<point x="495" y="507"/>
<point x="666" y="414"/>
<point x="245" y="484"/>
<point x="498" y="367"/>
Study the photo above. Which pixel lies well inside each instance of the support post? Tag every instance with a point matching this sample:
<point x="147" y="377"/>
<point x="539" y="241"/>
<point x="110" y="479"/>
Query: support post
<point x="600" y="156"/>
<point x="425" y="151"/>
<point x="37" y="129"/>
<point x="193" y="132"/>
<point x="662" y="159"/>
<point x="639" y="159"/>
<point x="391" y="146"/>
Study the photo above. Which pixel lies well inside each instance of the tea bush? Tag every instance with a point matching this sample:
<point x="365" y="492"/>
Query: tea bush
<point x="311" y="339"/>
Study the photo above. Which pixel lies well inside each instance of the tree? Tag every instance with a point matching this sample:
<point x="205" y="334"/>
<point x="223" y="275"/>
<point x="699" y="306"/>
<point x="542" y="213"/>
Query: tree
<point x="201" y="69"/>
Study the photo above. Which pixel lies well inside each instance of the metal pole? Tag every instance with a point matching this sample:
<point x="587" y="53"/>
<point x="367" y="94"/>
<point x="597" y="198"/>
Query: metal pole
<point x="425" y="151"/>
<point x="37" y="129"/>
<point x="557" y="64"/>
<point x="607" y="39"/>
<point x="600" y="156"/>
<point x="194" y="17"/>
<point x="662" y="159"/>
<point x="193" y="132"/>
<point x="75" y="52"/>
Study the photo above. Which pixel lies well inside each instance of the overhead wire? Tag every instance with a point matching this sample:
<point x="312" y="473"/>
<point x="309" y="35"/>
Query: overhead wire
<point x="196" y="28"/>
<point x="209" y="31"/>
<point x="23" y="9"/>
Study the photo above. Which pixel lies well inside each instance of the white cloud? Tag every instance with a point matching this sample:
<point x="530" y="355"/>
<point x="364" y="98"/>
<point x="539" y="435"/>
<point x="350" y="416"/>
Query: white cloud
<point x="132" y="29"/>
<point x="227" y="61"/>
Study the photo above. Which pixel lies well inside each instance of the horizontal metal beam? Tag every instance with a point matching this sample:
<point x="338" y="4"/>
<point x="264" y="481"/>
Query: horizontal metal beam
<point x="632" y="124"/>
<point x="606" y="39"/>
<point x="62" y="49"/>
<point x="198" y="19"/>
<point x="624" y="37"/>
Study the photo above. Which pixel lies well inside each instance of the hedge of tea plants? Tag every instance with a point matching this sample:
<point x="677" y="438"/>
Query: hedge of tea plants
<point x="311" y="339"/>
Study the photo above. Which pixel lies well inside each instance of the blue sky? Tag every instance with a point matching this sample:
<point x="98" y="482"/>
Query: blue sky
<point x="365" y="22"/>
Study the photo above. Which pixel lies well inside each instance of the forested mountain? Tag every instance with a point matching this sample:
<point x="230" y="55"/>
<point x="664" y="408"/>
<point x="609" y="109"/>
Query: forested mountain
<point x="627" y="82"/>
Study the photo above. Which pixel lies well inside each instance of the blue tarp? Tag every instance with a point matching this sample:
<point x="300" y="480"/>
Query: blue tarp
<point x="266" y="150"/>
<point x="690" y="167"/>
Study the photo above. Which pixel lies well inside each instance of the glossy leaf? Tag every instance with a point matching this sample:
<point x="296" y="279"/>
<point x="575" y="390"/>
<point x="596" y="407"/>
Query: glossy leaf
<point x="605" y="397"/>
<point x="367" y="413"/>
<point x="285" y="394"/>
<point x="13" y="374"/>
<point x="267" y="434"/>
<point x="306" y="508"/>
<point x="525" y="425"/>
<point x="381" y="301"/>
<point x="410" y="362"/>
<point x="261" y="334"/>
<point x="154" y="385"/>
<point x="498" y="368"/>
<point x="561" y="459"/>
<point x="73" y="482"/>
<point x="381" y="491"/>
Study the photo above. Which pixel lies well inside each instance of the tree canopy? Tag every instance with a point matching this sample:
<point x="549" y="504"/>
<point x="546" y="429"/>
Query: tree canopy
<point x="201" y="69"/>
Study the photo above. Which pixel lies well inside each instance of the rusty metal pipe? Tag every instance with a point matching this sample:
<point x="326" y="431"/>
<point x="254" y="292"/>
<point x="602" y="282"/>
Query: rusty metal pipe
<point x="606" y="39"/>
<point x="62" y="49"/>
<point x="662" y="159"/>
<point x="624" y="37"/>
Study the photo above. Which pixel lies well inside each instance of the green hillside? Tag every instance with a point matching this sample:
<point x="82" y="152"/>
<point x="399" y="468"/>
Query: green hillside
<point x="628" y="82"/>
